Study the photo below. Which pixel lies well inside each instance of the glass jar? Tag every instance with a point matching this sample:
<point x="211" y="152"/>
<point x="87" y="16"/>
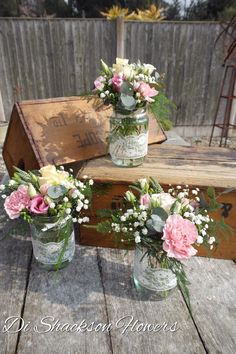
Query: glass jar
<point x="128" y="138"/>
<point x="53" y="241"/>
<point x="151" y="280"/>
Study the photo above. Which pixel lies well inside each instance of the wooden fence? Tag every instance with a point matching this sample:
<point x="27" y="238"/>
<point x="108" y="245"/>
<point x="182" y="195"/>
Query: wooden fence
<point x="41" y="58"/>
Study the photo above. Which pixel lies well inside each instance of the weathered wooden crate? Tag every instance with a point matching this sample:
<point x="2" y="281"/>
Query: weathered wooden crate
<point x="60" y="131"/>
<point x="169" y="164"/>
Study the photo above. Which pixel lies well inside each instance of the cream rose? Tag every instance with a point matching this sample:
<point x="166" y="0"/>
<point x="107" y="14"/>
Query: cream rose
<point x="120" y="65"/>
<point x="50" y="175"/>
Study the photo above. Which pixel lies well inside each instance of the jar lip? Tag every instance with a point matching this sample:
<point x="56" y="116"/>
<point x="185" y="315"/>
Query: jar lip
<point x="46" y="219"/>
<point x="129" y="113"/>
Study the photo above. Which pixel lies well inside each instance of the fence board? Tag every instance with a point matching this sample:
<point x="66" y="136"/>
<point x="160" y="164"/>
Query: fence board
<point x="185" y="53"/>
<point x="51" y="58"/>
<point x="43" y="58"/>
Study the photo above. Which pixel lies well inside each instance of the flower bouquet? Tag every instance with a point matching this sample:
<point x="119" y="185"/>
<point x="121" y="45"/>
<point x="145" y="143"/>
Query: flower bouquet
<point x="130" y="89"/>
<point x="166" y="228"/>
<point x="49" y="200"/>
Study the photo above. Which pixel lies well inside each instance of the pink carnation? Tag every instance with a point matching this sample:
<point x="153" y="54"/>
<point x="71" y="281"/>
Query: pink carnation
<point x="147" y="92"/>
<point x="38" y="205"/>
<point x="16" y="202"/>
<point x="99" y="83"/>
<point x="178" y="235"/>
<point x="117" y="81"/>
<point x="145" y="200"/>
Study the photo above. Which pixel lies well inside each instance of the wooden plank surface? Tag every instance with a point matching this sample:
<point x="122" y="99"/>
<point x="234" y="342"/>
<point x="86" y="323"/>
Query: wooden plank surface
<point x="213" y="298"/>
<point x="122" y="301"/>
<point x="15" y="257"/>
<point x="171" y="164"/>
<point x="97" y="287"/>
<point x="72" y="295"/>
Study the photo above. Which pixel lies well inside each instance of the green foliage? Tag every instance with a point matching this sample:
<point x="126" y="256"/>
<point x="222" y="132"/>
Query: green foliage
<point x="104" y="213"/>
<point x="8" y="8"/>
<point x="104" y="227"/>
<point x="161" y="109"/>
<point x="173" y="11"/>
<point x="178" y="269"/>
<point x="155" y="185"/>
<point x="207" y="9"/>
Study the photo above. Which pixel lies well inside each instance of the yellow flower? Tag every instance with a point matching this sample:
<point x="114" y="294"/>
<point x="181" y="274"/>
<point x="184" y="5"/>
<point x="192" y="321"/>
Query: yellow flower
<point x="50" y="175"/>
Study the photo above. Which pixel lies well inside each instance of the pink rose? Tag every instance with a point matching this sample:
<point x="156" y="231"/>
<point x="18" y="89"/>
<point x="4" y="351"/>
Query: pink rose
<point x="145" y="200"/>
<point x="194" y="204"/>
<point x="38" y="205"/>
<point x="16" y="202"/>
<point x="147" y="92"/>
<point x="117" y="81"/>
<point x="178" y="235"/>
<point x="44" y="188"/>
<point x="185" y="201"/>
<point x="99" y="83"/>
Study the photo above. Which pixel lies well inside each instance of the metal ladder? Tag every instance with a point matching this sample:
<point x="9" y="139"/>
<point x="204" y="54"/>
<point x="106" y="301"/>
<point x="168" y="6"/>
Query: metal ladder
<point x="230" y="76"/>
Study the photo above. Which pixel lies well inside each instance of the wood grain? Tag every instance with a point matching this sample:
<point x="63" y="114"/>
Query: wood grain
<point x="182" y="165"/>
<point x="212" y="290"/>
<point x="61" y="131"/>
<point x="53" y="57"/>
<point x="172" y="164"/>
<point x="73" y="294"/>
<point x="15" y="257"/>
<point x="122" y="300"/>
<point x="190" y="77"/>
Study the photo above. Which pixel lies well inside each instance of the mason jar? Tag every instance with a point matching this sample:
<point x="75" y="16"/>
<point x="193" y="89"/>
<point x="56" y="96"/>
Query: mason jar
<point x="53" y="241"/>
<point x="151" y="280"/>
<point x="128" y="138"/>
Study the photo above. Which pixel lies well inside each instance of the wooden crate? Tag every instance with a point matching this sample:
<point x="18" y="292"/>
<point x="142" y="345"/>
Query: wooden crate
<point x="60" y="131"/>
<point x="174" y="165"/>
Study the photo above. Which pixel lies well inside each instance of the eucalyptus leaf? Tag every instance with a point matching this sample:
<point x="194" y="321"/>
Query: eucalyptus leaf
<point x="126" y="89"/>
<point x="155" y="223"/>
<point x="128" y="102"/>
<point x="56" y="192"/>
<point x="161" y="213"/>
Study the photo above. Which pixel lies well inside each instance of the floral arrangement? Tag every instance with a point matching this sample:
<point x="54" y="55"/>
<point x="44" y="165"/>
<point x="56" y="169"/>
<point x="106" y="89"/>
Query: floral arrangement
<point x="170" y="225"/>
<point x="49" y="192"/>
<point x="128" y="87"/>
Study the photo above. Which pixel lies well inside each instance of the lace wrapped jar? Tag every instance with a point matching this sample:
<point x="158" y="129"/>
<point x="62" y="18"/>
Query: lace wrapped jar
<point x="128" y="138"/>
<point x="53" y="241"/>
<point x="151" y="280"/>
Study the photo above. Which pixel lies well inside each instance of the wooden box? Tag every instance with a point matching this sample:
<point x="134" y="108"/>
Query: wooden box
<point x="60" y="131"/>
<point x="169" y="164"/>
